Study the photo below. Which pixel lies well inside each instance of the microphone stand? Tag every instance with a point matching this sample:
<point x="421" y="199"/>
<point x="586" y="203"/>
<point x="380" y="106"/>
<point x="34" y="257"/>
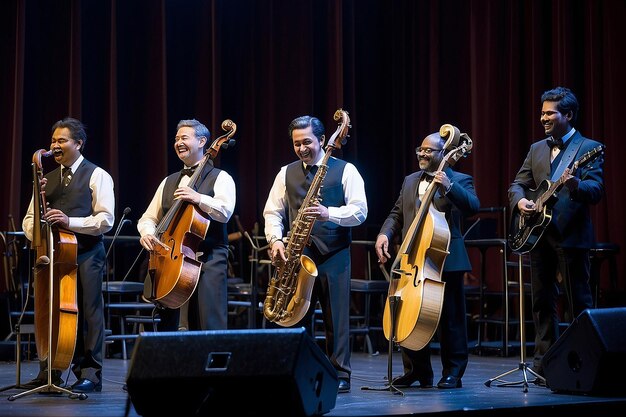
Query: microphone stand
<point x="393" y="301"/>
<point x="49" y="388"/>
<point x="522" y="366"/>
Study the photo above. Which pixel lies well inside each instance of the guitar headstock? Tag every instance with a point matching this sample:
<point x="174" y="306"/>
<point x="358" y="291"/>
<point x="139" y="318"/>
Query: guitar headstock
<point x="338" y="138"/>
<point x="588" y="157"/>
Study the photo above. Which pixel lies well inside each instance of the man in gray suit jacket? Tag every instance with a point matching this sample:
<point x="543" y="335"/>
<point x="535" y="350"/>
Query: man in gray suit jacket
<point x="456" y="198"/>
<point x="561" y="253"/>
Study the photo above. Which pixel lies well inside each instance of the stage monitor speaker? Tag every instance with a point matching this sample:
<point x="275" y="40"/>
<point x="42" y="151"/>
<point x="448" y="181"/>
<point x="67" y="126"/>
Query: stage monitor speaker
<point x="590" y="355"/>
<point x="247" y="372"/>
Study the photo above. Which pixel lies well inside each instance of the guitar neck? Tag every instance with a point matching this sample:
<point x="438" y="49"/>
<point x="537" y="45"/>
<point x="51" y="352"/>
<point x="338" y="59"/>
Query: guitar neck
<point x="552" y="189"/>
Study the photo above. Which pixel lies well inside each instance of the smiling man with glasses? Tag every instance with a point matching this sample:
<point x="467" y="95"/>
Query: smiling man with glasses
<point x="456" y="198"/>
<point x="426" y="150"/>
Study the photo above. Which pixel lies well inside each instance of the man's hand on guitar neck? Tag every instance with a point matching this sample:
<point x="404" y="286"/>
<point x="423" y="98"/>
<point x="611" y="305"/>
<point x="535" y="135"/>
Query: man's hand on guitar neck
<point x="526" y="207"/>
<point x="570" y="181"/>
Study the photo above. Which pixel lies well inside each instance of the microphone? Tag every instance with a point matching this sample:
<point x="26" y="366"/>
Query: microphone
<point x="122" y="222"/>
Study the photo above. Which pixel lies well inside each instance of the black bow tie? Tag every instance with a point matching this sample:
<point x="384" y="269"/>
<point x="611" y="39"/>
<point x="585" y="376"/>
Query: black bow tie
<point x="310" y="170"/>
<point x="188" y="171"/>
<point x="428" y="177"/>
<point x="556" y="142"/>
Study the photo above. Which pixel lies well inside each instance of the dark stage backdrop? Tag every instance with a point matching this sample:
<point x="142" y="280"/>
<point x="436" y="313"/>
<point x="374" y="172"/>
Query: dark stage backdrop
<point x="132" y="69"/>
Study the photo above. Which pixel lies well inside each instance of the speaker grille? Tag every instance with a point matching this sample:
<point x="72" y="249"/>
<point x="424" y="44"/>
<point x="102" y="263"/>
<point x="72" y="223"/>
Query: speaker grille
<point x="251" y="372"/>
<point x="590" y="356"/>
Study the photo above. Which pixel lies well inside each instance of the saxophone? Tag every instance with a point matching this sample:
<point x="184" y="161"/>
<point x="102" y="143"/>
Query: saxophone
<point x="288" y="296"/>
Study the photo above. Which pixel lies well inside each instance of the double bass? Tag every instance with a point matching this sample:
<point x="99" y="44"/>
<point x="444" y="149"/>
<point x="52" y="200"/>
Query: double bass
<point x="173" y="268"/>
<point x="416" y="271"/>
<point x="55" y="281"/>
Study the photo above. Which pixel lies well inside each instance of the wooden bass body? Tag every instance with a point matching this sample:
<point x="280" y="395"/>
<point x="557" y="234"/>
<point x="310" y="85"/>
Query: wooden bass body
<point x="176" y="271"/>
<point x="64" y="304"/>
<point x="419" y="286"/>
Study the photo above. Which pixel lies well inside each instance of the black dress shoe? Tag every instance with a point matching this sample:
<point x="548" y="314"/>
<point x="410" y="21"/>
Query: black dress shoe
<point x="344" y="386"/>
<point x="407" y="380"/>
<point x="86" y="385"/>
<point x="449" y="381"/>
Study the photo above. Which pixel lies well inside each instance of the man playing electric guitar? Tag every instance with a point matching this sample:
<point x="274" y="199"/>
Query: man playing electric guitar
<point x="561" y="254"/>
<point x="527" y="229"/>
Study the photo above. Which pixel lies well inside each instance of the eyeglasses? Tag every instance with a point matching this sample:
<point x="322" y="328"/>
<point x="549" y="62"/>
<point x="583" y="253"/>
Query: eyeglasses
<point x="427" y="151"/>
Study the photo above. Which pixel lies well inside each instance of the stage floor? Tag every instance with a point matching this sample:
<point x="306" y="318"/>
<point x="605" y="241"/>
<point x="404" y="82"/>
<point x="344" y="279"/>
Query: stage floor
<point x="474" y="399"/>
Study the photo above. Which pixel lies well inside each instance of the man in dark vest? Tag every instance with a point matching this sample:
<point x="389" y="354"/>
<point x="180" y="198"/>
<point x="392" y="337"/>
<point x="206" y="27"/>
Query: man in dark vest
<point x="214" y="193"/>
<point x="344" y="206"/>
<point x="81" y="199"/>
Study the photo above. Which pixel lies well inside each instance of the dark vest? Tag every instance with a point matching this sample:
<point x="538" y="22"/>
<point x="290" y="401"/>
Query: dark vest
<point x="75" y="199"/>
<point x="326" y="236"/>
<point x="217" y="233"/>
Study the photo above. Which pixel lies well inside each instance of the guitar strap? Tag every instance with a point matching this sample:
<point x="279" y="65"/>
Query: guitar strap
<point x="568" y="157"/>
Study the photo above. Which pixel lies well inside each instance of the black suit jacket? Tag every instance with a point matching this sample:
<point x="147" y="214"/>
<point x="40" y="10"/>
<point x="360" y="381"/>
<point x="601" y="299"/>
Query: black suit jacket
<point x="461" y="201"/>
<point x="570" y="214"/>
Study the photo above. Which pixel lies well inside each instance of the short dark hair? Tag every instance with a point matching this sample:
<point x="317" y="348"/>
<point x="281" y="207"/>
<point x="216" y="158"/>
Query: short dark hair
<point x="566" y="101"/>
<point x="303" y="122"/>
<point x="76" y="128"/>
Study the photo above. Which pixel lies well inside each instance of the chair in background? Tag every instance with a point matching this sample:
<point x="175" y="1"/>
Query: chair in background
<point x="244" y="295"/>
<point x="124" y="302"/>
<point x="364" y="291"/>
<point x="601" y="252"/>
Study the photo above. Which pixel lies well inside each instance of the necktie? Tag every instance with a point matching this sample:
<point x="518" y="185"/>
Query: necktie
<point x="188" y="171"/>
<point x="66" y="173"/>
<point x="310" y="171"/>
<point x="555" y="142"/>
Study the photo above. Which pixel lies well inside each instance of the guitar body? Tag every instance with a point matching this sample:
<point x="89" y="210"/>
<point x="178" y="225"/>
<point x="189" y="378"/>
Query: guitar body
<point x="527" y="230"/>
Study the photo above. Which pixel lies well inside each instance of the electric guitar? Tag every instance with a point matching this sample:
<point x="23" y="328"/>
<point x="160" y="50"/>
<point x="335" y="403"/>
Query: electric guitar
<point x="527" y="229"/>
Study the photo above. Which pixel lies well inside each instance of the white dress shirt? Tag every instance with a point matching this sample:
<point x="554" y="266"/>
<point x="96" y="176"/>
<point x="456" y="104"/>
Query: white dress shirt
<point x="103" y="206"/>
<point x="220" y="207"/>
<point x="556" y="150"/>
<point x="353" y="213"/>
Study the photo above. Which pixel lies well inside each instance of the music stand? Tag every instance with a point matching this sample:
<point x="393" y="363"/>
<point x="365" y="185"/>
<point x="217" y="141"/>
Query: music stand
<point x="522" y="366"/>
